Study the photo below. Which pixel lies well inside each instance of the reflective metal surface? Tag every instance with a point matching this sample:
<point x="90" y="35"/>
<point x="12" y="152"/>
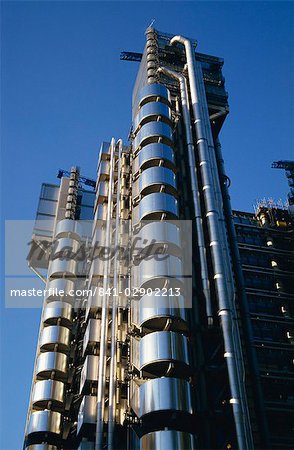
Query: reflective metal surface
<point x="167" y="440"/>
<point x="153" y="205"/>
<point x="152" y="179"/>
<point x="150" y="270"/>
<point x="55" y="287"/>
<point x="163" y="394"/>
<point x="55" y="337"/>
<point x="103" y="171"/>
<point x="159" y="349"/>
<point x="45" y="421"/>
<point x="92" y="335"/>
<point x="93" y="303"/>
<point x="155" y="310"/>
<point x="101" y="212"/>
<point x="87" y="412"/>
<point x="42" y="447"/>
<point x="59" y="268"/>
<point x="150" y="132"/>
<point x="97" y="268"/>
<point x="60" y="312"/>
<point x="68" y="228"/>
<point x="65" y="246"/>
<point x="160" y="233"/>
<point x="104" y="150"/>
<point x="151" y="111"/>
<point x="52" y="362"/>
<point x="98" y="236"/>
<point x="156" y="151"/>
<point x="89" y="371"/>
<point x="48" y="391"/>
<point x="102" y="191"/>
<point x="154" y="89"/>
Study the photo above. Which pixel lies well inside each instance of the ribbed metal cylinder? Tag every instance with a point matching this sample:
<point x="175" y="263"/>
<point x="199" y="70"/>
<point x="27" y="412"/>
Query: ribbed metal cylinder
<point x="48" y="392"/>
<point x="163" y="354"/>
<point x="52" y="364"/>
<point x="152" y="55"/>
<point x="45" y="422"/>
<point x="167" y="439"/>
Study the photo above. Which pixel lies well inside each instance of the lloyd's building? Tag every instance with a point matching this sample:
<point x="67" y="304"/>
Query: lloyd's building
<point x="167" y="322"/>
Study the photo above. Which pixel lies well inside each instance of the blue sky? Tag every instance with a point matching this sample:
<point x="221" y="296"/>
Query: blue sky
<point x="64" y="90"/>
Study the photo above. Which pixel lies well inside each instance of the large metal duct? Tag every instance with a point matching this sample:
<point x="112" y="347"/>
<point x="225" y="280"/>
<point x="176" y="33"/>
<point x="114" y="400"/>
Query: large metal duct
<point x="218" y="246"/>
<point x="194" y="185"/>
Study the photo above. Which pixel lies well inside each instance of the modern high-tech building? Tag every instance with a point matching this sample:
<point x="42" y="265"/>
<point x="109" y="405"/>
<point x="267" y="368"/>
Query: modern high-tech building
<point x="170" y="349"/>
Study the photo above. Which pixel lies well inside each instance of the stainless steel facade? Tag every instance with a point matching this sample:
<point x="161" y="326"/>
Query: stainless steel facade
<point x="147" y="372"/>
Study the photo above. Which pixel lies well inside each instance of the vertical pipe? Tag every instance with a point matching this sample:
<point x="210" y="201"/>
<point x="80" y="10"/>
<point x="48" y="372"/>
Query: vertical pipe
<point x="104" y="314"/>
<point x="112" y="374"/>
<point x="242" y="293"/>
<point x="216" y="235"/>
<point x="194" y="185"/>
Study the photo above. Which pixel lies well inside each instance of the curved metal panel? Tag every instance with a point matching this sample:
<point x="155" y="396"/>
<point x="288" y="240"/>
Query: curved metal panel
<point x="97" y="269"/>
<point x="103" y="171"/>
<point x="89" y="373"/>
<point x="151" y="90"/>
<point x="153" y="152"/>
<point x="101" y="211"/>
<point x="45" y="422"/>
<point x="52" y="362"/>
<point x="55" y="287"/>
<point x="87" y="413"/>
<point x="163" y="346"/>
<point x="102" y="191"/>
<point x="58" y="312"/>
<point x="98" y="237"/>
<point x="150" y="132"/>
<point x="55" y="336"/>
<point x="68" y="228"/>
<point x="66" y="247"/>
<point x="150" y="111"/>
<point x="62" y="268"/>
<point x="42" y="447"/>
<point x="150" y="270"/>
<point x="162" y="394"/>
<point x="158" y="202"/>
<point x="92" y="334"/>
<point x="155" y="310"/>
<point x="167" y="439"/>
<point x="152" y="179"/>
<point x="159" y="233"/>
<point x="48" y="391"/>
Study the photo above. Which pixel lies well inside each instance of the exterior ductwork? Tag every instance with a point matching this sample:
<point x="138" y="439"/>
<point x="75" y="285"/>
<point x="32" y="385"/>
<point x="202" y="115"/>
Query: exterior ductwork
<point x="114" y="316"/>
<point x="194" y="185"/>
<point x="208" y="169"/>
<point x="104" y="314"/>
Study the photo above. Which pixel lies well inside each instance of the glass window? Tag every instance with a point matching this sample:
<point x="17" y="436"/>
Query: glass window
<point x="86" y="213"/>
<point x="88" y="198"/>
<point x="49" y="192"/>
<point x="47" y="207"/>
